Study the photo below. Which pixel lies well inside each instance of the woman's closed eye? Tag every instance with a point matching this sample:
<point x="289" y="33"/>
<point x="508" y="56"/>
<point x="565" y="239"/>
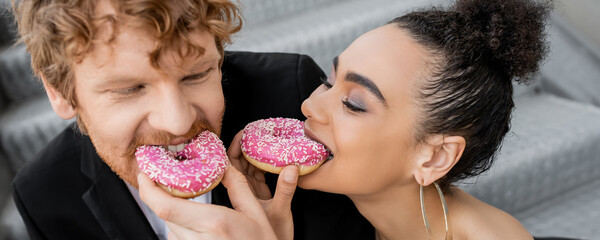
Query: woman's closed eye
<point x="349" y="104"/>
<point x="353" y="106"/>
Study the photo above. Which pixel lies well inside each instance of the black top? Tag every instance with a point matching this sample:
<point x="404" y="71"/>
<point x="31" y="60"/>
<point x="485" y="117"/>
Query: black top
<point x="68" y="192"/>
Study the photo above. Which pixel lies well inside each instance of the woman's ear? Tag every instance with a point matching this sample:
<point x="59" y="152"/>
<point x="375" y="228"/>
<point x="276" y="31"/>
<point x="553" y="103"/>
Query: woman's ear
<point x="61" y="106"/>
<point x="436" y="156"/>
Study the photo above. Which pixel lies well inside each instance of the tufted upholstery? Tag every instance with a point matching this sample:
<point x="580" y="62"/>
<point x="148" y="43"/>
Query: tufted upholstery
<point x="573" y="213"/>
<point x="551" y="151"/>
<point x="572" y="69"/>
<point x="7" y="28"/>
<point x="18" y="83"/>
<point x="259" y="13"/>
<point x="7" y="36"/>
<point x="27" y="121"/>
<point x="324" y="31"/>
<point x="536" y="161"/>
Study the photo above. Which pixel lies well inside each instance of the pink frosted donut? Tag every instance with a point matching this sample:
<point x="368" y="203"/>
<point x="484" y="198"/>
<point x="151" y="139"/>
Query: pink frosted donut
<point x="271" y="144"/>
<point x="191" y="172"/>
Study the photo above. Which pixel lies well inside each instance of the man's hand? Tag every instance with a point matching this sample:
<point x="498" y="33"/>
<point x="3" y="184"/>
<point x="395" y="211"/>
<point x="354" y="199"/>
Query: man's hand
<point x="191" y="220"/>
<point x="277" y="207"/>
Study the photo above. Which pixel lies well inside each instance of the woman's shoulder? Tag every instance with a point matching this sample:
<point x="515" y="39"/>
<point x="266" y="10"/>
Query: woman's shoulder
<point x="474" y="219"/>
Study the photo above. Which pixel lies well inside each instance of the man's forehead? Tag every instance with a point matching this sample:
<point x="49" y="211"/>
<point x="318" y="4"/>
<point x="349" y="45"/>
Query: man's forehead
<point x="129" y="55"/>
<point x="134" y="42"/>
<point x="104" y="8"/>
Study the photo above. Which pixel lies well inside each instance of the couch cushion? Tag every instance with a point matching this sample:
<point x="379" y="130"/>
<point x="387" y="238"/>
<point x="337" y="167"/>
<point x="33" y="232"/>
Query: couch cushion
<point x="572" y="214"/>
<point x="11" y="223"/>
<point x="17" y="82"/>
<point x="257" y="12"/>
<point x="572" y="69"/>
<point x="326" y="30"/>
<point x="551" y="148"/>
<point x="26" y="127"/>
<point x="8" y="30"/>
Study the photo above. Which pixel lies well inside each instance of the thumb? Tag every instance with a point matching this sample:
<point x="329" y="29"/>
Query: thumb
<point x="286" y="186"/>
<point x="240" y="194"/>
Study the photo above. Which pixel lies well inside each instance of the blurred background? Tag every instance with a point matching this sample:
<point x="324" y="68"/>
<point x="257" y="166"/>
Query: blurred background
<point x="547" y="173"/>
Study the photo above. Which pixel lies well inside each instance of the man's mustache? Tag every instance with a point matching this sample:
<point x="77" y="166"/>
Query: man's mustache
<point x="165" y="138"/>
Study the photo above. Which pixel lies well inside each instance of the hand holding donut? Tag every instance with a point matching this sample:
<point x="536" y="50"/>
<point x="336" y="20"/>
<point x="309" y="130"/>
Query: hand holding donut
<point x="191" y="220"/>
<point x="251" y="218"/>
<point x="277" y="207"/>
<point x="290" y="154"/>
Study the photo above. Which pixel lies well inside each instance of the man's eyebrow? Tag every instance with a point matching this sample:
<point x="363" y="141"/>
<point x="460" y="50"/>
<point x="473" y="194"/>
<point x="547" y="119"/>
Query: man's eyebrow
<point x="367" y="83"/>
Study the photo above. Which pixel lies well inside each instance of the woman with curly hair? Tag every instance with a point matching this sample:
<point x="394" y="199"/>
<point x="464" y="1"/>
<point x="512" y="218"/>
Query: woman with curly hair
<point x="418" y="104"/>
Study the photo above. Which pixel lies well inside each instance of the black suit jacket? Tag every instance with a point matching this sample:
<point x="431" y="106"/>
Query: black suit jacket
<point x="68" y="192"/>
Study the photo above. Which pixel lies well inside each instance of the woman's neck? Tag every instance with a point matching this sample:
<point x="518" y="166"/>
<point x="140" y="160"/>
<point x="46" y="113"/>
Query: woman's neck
<point x="396" y="212"/>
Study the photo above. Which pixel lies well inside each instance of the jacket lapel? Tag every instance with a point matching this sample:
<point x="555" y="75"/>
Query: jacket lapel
<point x="110" y="201"/>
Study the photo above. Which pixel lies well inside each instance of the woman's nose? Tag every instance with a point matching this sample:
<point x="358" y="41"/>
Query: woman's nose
<point x="314" y="107"/>
<point x="172" y="112"/>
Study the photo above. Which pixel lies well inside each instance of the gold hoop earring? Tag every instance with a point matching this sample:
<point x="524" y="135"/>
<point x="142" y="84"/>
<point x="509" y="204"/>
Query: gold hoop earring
<point x="444" y="206"/>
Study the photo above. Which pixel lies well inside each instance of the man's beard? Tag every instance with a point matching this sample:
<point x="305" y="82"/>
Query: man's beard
<point x="125" y="165"/>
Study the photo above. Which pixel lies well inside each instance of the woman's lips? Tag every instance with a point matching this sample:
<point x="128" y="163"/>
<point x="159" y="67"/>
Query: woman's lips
<point x="310" y="135"/>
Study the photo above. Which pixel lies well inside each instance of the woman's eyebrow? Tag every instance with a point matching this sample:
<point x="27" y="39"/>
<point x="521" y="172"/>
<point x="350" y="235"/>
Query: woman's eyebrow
<point x="361" y="80"/>
<point x="335" y="63"/>
<point x="367" y="83"/>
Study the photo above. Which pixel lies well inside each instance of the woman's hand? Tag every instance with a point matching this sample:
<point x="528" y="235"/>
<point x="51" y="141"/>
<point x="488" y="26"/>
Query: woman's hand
<point x="277" y="208"/>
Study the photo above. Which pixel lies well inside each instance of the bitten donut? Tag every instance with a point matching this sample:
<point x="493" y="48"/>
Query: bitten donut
<point x="191" y="172"/>
<point x="271" y="144"/>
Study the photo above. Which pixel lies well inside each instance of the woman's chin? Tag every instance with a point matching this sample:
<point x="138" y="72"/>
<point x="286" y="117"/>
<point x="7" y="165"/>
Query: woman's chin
<point x="316" y="179"/>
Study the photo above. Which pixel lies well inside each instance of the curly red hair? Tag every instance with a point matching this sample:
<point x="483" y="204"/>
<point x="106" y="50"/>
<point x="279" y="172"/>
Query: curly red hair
<point x="59" y="33"/>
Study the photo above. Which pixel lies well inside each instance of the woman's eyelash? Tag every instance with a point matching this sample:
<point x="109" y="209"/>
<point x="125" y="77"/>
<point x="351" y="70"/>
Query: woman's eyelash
<point x="352" y="107"/>
<point x="348" y="104"/>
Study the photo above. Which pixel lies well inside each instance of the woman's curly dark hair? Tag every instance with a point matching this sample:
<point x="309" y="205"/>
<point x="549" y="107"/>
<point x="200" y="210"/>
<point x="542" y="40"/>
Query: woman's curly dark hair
<point x="479" y="47"/>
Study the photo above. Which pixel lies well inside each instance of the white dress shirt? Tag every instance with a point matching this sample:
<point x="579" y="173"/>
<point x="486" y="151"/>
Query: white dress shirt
<point x="158" y="225"/>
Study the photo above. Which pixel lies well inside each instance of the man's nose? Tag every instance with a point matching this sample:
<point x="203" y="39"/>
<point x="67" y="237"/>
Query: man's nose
<point x="172" y="112"/>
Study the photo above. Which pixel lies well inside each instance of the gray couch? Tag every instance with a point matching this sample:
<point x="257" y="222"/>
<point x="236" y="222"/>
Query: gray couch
<point x="548" y="170"/>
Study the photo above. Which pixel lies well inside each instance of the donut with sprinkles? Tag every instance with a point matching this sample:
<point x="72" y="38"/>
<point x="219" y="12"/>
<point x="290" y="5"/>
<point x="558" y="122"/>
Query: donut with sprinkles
<point x="191" y="172"/>
<point x="271" y="144"/>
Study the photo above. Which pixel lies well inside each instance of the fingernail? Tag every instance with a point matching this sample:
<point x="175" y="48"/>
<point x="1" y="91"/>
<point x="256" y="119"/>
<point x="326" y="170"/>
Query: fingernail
<point x="290" y="174"/>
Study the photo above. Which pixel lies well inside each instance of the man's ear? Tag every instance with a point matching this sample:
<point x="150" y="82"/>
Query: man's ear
<point x="436" y="156"/>
<point x="61" y="106"/>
